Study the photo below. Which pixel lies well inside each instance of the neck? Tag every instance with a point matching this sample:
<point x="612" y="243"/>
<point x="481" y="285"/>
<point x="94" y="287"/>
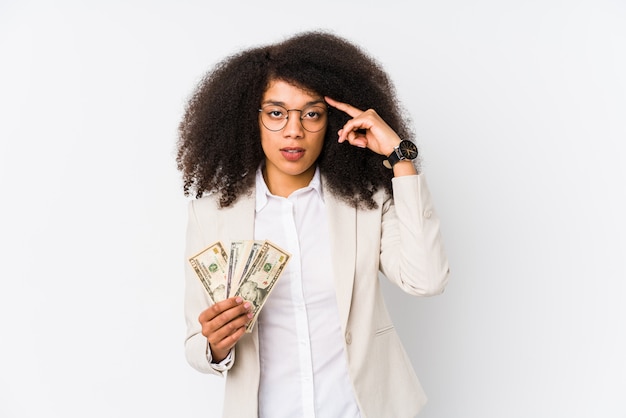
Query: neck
<point x="284" y="185"/>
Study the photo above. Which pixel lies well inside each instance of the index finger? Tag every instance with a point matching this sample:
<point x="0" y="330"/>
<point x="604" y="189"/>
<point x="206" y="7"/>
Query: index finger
<point x="221" y="306"/>
<point x="344" y="107"/>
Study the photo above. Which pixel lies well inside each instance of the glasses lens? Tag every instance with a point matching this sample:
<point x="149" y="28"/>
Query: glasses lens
<point x="274" y="117"/>
<point x="313" y="118"/>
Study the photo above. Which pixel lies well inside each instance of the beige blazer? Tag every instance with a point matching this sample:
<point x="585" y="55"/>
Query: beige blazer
<point x="401" y="238"/>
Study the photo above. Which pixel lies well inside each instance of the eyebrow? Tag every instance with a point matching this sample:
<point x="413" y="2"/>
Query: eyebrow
<point x="283" y="104"/>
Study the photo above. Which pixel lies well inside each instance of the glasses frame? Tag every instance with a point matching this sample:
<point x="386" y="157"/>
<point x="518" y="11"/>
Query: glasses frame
<point x="286" y="120"/>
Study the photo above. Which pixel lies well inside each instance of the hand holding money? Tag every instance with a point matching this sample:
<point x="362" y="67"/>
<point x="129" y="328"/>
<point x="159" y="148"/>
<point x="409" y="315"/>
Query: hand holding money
<point x="223" y="324"/>
<point x="251" y="271"/>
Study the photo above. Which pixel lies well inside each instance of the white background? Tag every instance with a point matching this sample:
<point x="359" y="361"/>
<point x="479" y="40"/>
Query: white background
<point x="520" y="110"/>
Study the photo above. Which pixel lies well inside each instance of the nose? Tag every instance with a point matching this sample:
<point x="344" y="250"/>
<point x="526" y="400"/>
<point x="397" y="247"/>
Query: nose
<point x="294" y="128"/>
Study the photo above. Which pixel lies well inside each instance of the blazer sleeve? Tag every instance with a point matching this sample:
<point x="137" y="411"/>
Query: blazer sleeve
<point x="196" y="300"/>
<point x="412" y="253"/>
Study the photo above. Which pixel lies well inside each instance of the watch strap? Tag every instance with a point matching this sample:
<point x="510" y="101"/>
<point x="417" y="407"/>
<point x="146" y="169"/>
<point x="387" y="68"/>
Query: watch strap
<point x="405" y="150"/>
<point x="393" y="158"/>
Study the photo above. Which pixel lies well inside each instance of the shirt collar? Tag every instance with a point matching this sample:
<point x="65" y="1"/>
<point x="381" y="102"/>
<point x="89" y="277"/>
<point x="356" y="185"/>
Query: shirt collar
<point x="263" y="193"/>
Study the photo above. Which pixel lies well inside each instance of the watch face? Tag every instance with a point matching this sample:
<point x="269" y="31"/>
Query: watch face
<point x="408" y="150"/>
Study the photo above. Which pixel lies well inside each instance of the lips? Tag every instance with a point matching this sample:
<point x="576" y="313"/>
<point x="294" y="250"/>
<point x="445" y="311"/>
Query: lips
<point x="292" y="154"/>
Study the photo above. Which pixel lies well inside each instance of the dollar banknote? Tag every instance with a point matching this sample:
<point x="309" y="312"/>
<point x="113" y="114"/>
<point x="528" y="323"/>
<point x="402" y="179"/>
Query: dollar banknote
<point x="211" y="265"/>
<point x="260" y="277"/>
<point x="242" y="254"/>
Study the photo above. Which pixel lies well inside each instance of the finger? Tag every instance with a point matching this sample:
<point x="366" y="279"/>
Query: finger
<point x="237" y="313"/>
<point x="355" y="131"/>
<point x="219" y="307"/>
<point x="227" y="343"/>
<point x="354" y="138"/>
<point x="228" y="316"/>
<point x="230" y="332"/>
<point x="227" y="336"/>
<point x="344" y="107"/>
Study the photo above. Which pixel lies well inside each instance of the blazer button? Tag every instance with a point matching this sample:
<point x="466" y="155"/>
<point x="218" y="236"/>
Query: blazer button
<point x="348" y="338"/>
<point x="428" y="213"/>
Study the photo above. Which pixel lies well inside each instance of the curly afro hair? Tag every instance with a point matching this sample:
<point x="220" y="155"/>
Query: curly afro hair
<point x="221" y="117"/>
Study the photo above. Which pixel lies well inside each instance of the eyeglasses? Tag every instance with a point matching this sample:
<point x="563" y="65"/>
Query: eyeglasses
<point x="313" y="118"/>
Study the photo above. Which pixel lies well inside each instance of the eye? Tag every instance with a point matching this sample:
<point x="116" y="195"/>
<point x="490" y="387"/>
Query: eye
<point x="313" y="113"/>
<point x="275" y="112"/>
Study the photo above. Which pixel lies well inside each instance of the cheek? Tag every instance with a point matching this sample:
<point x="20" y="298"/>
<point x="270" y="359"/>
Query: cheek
<point x="319" y="144"/>
<point x="266" y="140"/>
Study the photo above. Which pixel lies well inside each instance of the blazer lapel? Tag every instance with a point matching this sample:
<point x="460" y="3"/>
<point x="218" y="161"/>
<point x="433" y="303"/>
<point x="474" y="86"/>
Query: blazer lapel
<point x="237" y="222"/>
<point x="342" y="227"/>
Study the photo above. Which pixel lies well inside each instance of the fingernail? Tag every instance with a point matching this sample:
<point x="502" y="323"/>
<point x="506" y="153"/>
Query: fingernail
<point x="250" y="315"/>
<point x="239" y="299"/>
<point x="247" y="305"/>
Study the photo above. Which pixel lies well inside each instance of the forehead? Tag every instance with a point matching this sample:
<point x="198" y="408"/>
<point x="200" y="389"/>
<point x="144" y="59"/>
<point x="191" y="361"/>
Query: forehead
<point x="279" y="91"/>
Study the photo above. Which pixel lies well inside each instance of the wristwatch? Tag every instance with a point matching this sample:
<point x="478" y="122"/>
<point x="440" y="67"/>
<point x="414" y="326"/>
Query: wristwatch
<point x="405" y="150"/>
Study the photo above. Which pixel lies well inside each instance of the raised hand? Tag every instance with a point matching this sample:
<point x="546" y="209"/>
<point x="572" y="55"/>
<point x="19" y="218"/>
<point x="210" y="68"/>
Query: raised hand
<point x="367" y="129"/>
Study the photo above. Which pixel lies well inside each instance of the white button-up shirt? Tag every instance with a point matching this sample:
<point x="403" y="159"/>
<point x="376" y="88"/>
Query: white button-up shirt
<point x="304" y="372"/>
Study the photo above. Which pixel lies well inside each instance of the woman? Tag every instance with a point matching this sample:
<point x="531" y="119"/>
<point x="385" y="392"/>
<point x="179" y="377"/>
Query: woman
<point x="302" y="143"/>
